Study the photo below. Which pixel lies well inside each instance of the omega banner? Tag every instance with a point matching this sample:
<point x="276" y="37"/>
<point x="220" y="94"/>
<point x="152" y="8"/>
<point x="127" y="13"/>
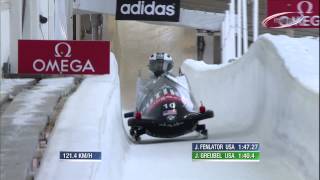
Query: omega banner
<point x="292" y="14"/>
<point x="148" y="10"/>
<point x="63" y="57"/>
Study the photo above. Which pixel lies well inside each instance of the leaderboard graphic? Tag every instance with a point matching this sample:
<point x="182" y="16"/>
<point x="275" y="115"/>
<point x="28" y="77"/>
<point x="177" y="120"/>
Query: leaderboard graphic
<point x="226" y="152"/>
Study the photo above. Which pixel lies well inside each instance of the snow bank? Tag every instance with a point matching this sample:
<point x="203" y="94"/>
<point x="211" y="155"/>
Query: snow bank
<point x="271" y="94"/>
<point x="90" y="121"/>
<point x="301" y="57"/>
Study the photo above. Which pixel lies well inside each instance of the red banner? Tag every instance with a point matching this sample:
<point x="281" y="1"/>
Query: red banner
<point x="292" y="14"/>
<point x="63" y="57"/>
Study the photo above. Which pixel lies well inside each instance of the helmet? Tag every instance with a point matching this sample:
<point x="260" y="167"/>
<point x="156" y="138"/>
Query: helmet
<point x="160" y="63"/>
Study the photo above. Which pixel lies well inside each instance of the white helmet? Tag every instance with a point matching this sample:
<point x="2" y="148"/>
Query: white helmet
<point x="160" y="63"/>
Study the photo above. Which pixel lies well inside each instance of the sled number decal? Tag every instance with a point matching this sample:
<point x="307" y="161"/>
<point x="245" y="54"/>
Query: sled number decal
<point x="170" y="106"/>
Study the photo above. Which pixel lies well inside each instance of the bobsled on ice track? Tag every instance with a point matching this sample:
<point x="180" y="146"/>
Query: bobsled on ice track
<point x="165" y="107"/>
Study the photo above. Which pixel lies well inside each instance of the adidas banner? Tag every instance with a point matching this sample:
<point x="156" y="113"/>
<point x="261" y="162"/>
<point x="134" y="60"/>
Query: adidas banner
<point x="148" y="10"/>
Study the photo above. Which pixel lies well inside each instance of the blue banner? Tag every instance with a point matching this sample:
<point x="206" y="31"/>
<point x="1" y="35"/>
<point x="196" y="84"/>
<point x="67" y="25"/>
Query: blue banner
<point x="80" y="155"/>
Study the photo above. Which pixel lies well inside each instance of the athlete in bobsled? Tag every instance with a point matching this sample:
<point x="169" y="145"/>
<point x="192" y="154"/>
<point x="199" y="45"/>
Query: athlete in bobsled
<point x="165" y="108"/>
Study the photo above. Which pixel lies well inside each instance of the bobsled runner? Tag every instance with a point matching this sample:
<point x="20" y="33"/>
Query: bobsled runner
<point x="165" y="107"/>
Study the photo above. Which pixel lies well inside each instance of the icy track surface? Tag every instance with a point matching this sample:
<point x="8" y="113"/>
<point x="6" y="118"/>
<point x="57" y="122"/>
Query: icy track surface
<point x="262" y="97"/>
<point x="268" y="96"/>
<point x="90" y="121"/>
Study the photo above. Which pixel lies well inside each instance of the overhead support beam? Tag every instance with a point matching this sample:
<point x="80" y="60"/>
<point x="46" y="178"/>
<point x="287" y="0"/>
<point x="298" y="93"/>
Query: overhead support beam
<point x="255" y="19"/>
<point x="232" y="31"/>
<point x="15" y="32"/>
<point x="245" y="25"/>
<point x="239" y="29"/>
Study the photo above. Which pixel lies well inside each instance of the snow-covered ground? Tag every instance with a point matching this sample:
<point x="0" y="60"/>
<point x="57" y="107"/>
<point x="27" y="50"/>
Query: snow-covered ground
<point x="8" y="86"/>
<point x="33" y="100"/>
<point x="22" y="121"/>
<point x="260" y="97"/>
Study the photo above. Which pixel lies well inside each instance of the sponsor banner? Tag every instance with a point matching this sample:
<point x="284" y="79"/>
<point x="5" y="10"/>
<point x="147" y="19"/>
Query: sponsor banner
<point x="63" y="57"/>
<point x="292" y="14"/>
<point x="148" y="10"/>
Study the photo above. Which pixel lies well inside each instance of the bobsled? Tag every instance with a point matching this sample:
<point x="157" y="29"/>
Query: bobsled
<point x="166" y="109"/>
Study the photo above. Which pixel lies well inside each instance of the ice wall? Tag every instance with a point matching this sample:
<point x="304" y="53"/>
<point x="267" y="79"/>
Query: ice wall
<point x="90" y="121"/>
<point x="269" y="94"/>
